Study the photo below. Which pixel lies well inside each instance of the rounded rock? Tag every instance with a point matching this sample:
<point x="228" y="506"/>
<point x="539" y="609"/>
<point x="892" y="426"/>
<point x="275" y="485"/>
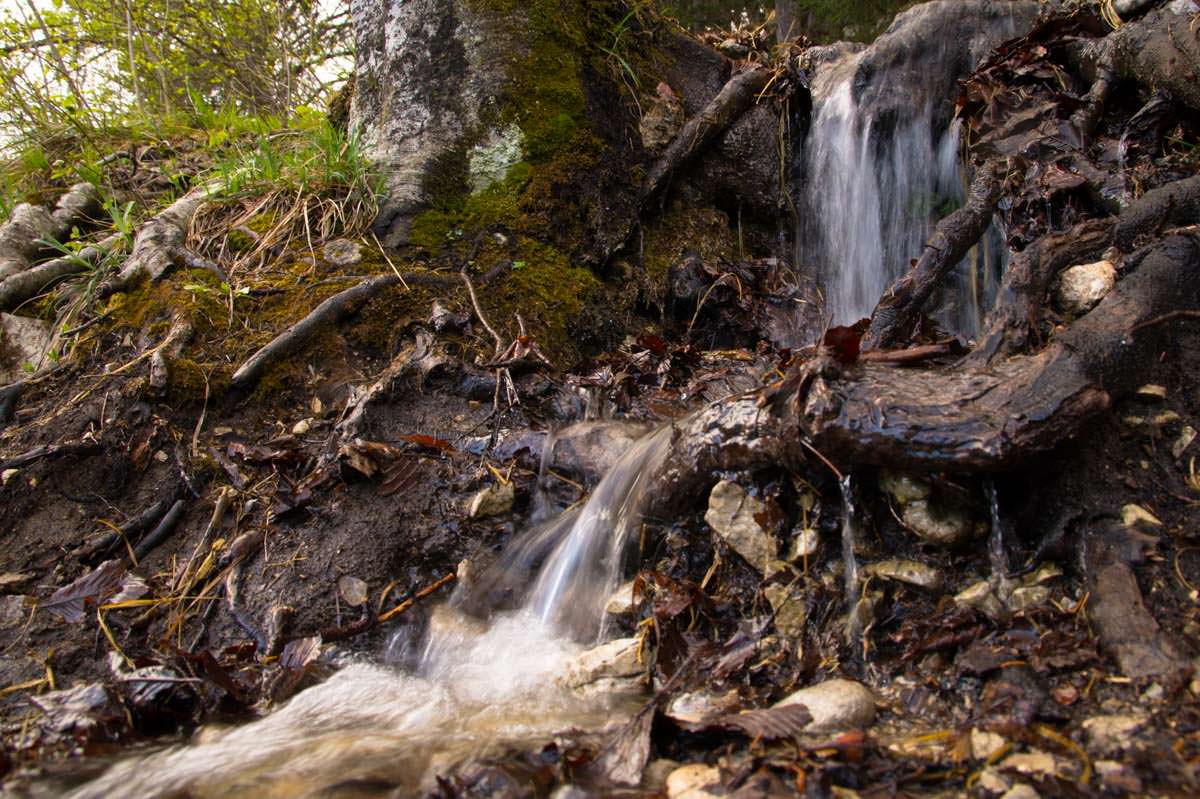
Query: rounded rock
<point x="835" y="705"/>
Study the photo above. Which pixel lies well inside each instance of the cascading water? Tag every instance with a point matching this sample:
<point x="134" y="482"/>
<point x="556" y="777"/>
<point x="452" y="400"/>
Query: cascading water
<point x="479" y="685"/>
<point x="879" y="168"/>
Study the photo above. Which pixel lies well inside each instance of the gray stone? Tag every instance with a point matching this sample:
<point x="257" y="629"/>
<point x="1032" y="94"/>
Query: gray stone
<point x="494" y="500"/>
<point x="791" y="609"/>
<point x="621" y="602"/>
<point x="692" y="780"/>
<point x="663" y="118"/>
<point x="835" y="705"/>
<point x="698" y="706"/>
<point x="731" y="514"/>
<point x="587" y="450"/>
<point x="611" y="667"/>
<point x="1081" y="288"/>
<point x="982" y="597"/>
<point x="905" y="488"/>
<point x="906" y="571"/>
<point x="937" y="524"/>
<point x="342" y="252"/>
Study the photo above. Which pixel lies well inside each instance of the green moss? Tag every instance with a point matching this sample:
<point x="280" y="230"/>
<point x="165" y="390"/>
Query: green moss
<point x="549" y="292"/>
<point x="703" y="231"/>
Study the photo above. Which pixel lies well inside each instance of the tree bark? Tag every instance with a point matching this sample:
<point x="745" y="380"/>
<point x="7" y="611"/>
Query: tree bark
<point x="24" y="235"/>
<point x="900" y="307"/>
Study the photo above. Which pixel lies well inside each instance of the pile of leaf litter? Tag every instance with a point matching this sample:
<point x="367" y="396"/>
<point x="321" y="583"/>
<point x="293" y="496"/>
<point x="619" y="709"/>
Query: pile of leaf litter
<point x="186" y="548"/>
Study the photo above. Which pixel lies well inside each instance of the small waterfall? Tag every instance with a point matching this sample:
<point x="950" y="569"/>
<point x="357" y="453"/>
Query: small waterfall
<point x="880" y="163"/>
<point x="997" y="548"/>
<point x="584" y="567"/>
<point x="477" y="687"/>
<point x="849" y="559"/>
<point x="873" y="192"/>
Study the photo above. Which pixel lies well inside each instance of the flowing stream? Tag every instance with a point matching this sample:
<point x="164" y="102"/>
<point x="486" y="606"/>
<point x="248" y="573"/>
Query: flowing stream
<point x="479" y="686"/>
<point x="875" y="183"/>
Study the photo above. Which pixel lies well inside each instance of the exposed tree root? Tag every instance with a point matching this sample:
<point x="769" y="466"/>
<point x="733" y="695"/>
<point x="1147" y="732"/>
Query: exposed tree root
<point x="331" y="310"/>
<point x="1127" y="628"/>
<point x="737" y="96"/>
<point x="1175" y="204"/>
<point x="900" y="307"/>
<point x="159" y="241"/>
<point x="1027" y="280"/>
<point x="25" y="285"/>
<point x="967" y="419"/>
<point x="1159" y="51"/>
<point x="29" y="227"/>
<point x="355" y="415"/>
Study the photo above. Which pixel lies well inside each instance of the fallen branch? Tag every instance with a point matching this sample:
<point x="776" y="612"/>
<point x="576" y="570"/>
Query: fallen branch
<point x="911" y="355"/>
<point x="355" y="414"/>
<point x="900" y="307"/>
<point x="424" y="592"/>
<point x="331" y="310"/>
<point x="160" y="533"/>
<point x="101" y="546"/>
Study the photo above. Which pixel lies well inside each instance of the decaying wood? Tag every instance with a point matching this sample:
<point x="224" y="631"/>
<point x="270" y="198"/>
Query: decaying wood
<point x="1126" y="627"/>
<point x="737" y="95"/>
<point x="159" y="534"/>
<point x="1174" y="204"/>
<point x="1159" y="50"/>
<point x="900" y="307"/>
<point x="331" y="310"/>
<point x="29" y="227"/>
<point x="963" y="418"/>
<point x="991" y="418"/>
<point x="355" y="415"/>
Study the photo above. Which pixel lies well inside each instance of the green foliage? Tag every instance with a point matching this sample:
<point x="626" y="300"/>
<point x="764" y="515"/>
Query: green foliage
<point x="86" y="65"/>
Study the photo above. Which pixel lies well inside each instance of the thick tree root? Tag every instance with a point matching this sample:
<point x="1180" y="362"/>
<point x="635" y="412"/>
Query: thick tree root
<point x="985" y="418"/>
<point x="24" y="286"/>
<point x="1126" y="627"/>
<point x="1159" y="51"/>
<point x="158" y="242"/>
<point x="24" y="235"/>
<point x="1171" y="205"/>
<point x="331" y="310"/>
<point x="1023" y="290"/>
<point x="900" y="307"/>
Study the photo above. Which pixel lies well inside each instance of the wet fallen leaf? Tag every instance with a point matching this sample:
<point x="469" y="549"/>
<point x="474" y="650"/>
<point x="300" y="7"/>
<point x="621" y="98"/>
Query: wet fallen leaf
<point x="107" y="582"/>
<point x="769" y="723"/>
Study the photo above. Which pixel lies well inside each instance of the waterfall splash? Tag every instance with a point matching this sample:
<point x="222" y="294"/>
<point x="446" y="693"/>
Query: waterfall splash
<point x="880" y="167"/>
<point x="479" y="686"/>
